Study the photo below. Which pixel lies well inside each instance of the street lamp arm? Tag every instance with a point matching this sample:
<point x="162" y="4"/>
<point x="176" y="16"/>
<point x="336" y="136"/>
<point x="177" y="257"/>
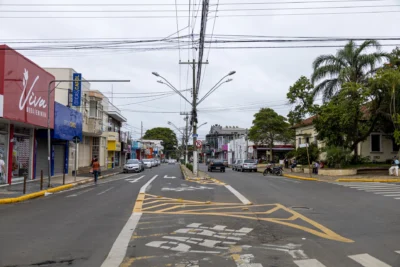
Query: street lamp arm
<point x="170" y="123"/>
<point x="174" y="89"/>
<point x="212" y="90"/>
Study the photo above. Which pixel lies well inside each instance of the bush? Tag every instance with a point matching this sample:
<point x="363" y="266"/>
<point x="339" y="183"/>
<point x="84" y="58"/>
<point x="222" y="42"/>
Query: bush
<point x="189" y="166"/>
<point x="301" y="154"/>
<point x="337" y="157"/>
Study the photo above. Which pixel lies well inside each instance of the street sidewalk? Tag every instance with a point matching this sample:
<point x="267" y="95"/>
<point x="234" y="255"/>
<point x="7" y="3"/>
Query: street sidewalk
<point x="32" y="186"/>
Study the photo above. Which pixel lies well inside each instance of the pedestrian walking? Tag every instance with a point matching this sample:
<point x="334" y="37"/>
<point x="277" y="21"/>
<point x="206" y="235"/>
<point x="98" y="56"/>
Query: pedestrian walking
<point x="286" y="163"/>
<point x="96" y="169"/>
<point x="395" y="167"/>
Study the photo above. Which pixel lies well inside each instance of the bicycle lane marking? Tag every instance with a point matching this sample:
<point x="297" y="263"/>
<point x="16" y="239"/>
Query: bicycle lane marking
<point x="118" y="250"/>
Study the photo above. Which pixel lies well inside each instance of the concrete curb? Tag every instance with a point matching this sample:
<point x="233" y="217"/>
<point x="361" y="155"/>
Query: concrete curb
<point x="51" y="190"/>
<point x="295" y="177"/>
<point x="300" y="178"/>
<point x="351" y="180"/>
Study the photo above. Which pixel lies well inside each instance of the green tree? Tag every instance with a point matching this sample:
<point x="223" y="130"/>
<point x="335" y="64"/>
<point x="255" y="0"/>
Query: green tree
<point x="301" y="154"/>
<point x="347" y="119"/>
<point x="301" y="95"/>
<point x="350" y="64"/>
<point x="166" y="135"/>
<point x="268" y="127"/>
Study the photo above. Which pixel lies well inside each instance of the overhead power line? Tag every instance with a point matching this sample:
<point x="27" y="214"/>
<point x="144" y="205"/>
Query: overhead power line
<point x="211" y="11"/>
<point x="170" y="4"/>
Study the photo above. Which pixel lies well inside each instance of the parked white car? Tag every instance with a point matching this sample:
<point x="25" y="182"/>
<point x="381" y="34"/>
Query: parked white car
<point x="148" y="163"/>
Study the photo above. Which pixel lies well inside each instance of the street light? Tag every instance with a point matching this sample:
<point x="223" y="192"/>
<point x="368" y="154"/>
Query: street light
<point x="216" y="86"/>
<point x="170" y="86"/>
<point x="201" y="125"/>
<point x="49" y="90"/>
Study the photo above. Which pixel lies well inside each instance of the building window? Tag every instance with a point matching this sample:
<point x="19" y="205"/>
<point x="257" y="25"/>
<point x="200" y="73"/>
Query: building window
<point x="307" y="140"/>
<point x="315" y="140"/>
<point x="299" y="141"/>
<point x="375" y="143"/>
<point x="93" y="109"/>
<point x="395" y="147"/>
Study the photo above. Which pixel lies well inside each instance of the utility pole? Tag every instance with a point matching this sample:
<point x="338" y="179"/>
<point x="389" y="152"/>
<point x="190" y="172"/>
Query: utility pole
<point x="247" y="144"/>
<point x="141" y="130"/>
<point x="194" y="114"/>
<point x="186" y="139"/>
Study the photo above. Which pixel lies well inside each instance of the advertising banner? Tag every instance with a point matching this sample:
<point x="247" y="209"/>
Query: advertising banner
<point x="76" y="89"/>
<point x="68" y="123"/>
<point x="24" y="90"/>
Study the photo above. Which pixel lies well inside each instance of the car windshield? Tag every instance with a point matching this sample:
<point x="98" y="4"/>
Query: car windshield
<point x="249" y="161"/>
<point x="217" y="161"/>
<point x="132" y="161"/>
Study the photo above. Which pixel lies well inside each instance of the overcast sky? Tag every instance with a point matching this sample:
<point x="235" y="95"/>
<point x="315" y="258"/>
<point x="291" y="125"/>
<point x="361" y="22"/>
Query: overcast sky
<point x="262" y="77"/>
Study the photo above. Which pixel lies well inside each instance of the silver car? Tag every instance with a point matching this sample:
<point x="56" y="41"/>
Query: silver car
<point x="247" y="165"/>
<point x="236" y="164"/>
<point x="147" y="163"/>
<point x="132" y="165"/>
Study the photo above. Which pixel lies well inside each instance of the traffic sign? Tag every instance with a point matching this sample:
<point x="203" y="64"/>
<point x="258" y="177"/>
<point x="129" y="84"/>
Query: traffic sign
<point x="76" y="139"/>
<point x="198" y="143"/>
<point x="195" y="135"/>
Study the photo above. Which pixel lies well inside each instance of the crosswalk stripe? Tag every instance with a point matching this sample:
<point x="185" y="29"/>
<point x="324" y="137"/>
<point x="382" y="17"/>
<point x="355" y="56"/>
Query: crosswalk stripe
<point x="309" y="263"/>
<point x="398" y="251"/>
<point x="397" y="195"/>
<point x="367" y="260"/>
<point x="397" y="198"/>
<point x="387" y="192"/>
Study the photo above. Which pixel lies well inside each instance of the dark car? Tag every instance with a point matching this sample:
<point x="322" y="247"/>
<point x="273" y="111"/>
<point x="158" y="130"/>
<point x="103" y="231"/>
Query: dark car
<point x="216" y="164"/>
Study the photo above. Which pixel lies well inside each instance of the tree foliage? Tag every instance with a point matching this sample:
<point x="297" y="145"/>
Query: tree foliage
<point x="350" y="64"/>
<point x="301" y="95"/>
<point x="301" y="154"/>
<point x="268" y="127"/>
<point x="347" y="119"/>
<point x="166" y="135"/>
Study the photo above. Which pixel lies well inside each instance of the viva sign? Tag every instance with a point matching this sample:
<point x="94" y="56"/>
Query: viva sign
<point x="23" y="90"/>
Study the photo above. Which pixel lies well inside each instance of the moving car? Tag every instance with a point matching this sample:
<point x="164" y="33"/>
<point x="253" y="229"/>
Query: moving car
<point x="216" y="164"/>
<point x="147" y="163"/>
<point x="132" y="165"/>
<point x="171" y="161"/>
<point x="247" y="165"/>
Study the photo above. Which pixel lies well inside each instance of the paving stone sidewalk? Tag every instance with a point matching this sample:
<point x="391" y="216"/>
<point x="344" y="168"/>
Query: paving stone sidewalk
<point x="16" y="190"/>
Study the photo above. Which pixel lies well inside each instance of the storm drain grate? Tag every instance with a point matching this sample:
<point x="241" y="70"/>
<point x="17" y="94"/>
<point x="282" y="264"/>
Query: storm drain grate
<point x="300" y="208"/>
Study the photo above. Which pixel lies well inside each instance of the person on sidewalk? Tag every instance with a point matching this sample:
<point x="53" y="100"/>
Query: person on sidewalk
<point x="96" y="169"/>
<point x="2" y="170"/>
<point x="395" y="166"/>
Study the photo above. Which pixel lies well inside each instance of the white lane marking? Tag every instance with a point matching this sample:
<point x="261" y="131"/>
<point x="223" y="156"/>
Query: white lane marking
<point x="396" y="195"/>
<point x="397" y="198"/>
<point x="387" y="192"/>
<point x="144" y="187"/>
<point x="80" y="193"/>
<point x="188" y="263"/>
<point x="238" y="195"/>
<point x="186" y="188"/>
<point x="169" y="177"/>
<point x="120" y="245"/>
<point x="309" y="263"/>
<point x="245" y="261"/>
<point x="105" y="191"/>
<point x="292" y="249"/>
<point x="367" y="260"/>
<point x="135" y="180"/>
<point x="118" y="250"/>
<point x="398" y="251"/>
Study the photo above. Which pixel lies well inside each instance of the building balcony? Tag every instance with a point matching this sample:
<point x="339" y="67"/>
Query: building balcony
<point x="94" y="127"/>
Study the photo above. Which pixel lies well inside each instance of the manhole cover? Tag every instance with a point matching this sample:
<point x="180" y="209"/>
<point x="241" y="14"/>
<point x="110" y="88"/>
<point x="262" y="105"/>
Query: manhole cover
<point x="300" y="208"/>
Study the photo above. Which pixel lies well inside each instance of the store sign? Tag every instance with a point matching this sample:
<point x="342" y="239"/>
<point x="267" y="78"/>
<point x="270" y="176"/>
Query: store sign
<point x="24" y="89"/>
<point x="76" y="89"/>
<point x="68" y="123"/>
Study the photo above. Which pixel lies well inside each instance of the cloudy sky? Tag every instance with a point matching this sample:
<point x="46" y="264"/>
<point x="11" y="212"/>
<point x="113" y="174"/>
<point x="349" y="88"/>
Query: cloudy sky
<point x="263" y="75"/>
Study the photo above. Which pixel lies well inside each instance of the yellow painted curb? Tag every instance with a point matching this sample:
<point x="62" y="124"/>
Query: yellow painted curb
<point x="35" y="195"/>
<point x="350" y="180"/>
<point x="300" y="178"/>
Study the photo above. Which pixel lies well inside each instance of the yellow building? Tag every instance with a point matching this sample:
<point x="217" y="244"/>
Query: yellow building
<point x="113" y="147"/>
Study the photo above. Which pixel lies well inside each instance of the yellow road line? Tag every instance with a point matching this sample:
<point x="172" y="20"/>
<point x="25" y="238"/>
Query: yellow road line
<point x="350" y="180"/>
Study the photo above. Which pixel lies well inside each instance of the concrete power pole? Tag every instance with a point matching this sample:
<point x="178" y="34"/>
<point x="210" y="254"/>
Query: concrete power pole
<point x="247" y="144"/>
<point x="186" y="139"/>
<point x="194" y="114"/>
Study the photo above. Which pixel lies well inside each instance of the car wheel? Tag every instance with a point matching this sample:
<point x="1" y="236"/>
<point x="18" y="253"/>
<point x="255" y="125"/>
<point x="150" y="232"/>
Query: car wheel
<point x="242" y="170"/>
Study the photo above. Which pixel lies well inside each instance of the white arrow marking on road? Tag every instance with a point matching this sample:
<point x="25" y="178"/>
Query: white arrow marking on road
<point x="134" y="180"/>
<point x="80" y="193"/>
<point x="167" y="177"/>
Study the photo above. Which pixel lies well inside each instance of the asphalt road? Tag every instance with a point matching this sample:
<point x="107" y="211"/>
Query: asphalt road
<point x="70" y="228"/>
<point x="194" y="223"/>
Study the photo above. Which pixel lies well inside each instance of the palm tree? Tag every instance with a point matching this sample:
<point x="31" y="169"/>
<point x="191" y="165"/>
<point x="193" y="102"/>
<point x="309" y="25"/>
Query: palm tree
<point x="350" y="64"/>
